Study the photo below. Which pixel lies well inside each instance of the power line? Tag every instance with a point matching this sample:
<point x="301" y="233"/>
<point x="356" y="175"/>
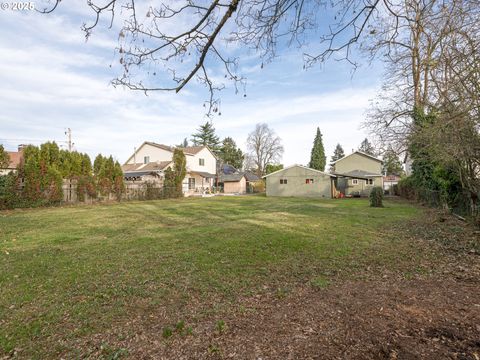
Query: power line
<point x="34" y="140"/>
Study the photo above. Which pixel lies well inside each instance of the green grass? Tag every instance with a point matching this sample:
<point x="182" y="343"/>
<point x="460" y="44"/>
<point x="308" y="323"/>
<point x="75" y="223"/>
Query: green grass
<point x="67" y="273"/>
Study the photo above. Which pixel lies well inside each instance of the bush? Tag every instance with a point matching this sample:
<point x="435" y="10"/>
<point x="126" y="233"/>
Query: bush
<point x="376" y="197"/>
<point x="406" y="188"/>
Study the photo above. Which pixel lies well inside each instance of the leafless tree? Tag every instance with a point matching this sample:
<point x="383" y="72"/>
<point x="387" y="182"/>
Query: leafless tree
<point x="264" y="147"/>
<point x="415" y="45"/>
<point x="164" y="46"/>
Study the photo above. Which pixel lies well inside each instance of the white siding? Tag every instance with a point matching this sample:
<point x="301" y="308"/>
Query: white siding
<point x="210" y="162"/>
<point x="155" y="154"/>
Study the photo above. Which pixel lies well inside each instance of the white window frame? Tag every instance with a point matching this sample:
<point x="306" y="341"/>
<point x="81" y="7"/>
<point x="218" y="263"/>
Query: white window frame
<point x="369" y="182"/>
<point x="354" y="181"/>
<point x="201" y="162"/>
<point x="146" y="159"/>
<point x="309" y="181"/>
<point x="283" y="181"/>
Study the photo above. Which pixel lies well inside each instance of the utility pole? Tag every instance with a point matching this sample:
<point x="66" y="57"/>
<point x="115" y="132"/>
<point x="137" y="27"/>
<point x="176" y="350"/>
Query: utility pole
<point x="69" y="139"/>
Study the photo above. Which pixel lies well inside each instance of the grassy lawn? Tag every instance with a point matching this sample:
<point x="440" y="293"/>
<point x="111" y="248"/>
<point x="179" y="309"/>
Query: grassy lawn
<point x="70" y="273"/>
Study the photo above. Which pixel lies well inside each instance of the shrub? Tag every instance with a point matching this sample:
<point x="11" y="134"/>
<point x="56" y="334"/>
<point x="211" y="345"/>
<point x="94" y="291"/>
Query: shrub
<point x="406" y="188"/>
<point x="376" y="197"/>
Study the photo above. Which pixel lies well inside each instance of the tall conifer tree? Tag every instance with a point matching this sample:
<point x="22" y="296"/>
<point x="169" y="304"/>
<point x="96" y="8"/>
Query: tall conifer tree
<point x="318" y="158"/>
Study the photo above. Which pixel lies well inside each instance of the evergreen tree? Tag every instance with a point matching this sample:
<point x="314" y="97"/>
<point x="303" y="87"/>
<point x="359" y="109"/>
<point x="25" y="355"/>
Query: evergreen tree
<point x="4" y="158"/>
<point x="179" y="170"/>
<point x="391" y="163"/>
<point x="318" y="158"/>
<point x="338" y="153"/>
<point x="183" y="144"/>
<point x="86" y="165"/>
<point x="206" y="136"/>
<point x="97" y="164"/>
<point x="367" y="147"/>
<point x="230" y="154"/>
<point x="169" y="184"/>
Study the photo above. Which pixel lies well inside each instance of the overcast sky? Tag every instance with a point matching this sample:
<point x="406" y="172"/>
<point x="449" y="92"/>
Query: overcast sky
<point x="52" y="80"/>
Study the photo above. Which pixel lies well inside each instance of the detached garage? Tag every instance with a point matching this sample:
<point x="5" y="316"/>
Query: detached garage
<point x="300" y="181"/>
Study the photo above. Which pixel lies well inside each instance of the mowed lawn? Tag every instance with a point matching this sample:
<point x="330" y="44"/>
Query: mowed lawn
<point x="74" y="273"/>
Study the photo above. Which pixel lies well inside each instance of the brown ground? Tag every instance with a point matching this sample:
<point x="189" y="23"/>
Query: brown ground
<point x="376" y="315"/>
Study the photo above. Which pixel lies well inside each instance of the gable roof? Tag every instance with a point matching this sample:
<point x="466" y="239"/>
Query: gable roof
<point x="189" y="150"/>
<point x="232" y="177"/>
<point x="358" y="152"/>
<point x="192" y="149"/>
<point x="151" y="166"/>
<point x="359" y="174"/>
<point x="250" y="176"/>
<point x="300" y="166"/>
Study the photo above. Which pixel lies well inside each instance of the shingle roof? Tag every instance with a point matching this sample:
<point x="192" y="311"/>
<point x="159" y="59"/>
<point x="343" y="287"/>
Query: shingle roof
<point x="231" y="177"/>
<point x="251" y="176"/>
<point x="361" y="153"/>
<point x="358" y="174"/>
<point x="161" y="146"/>
<point x="192" y="149"/>
<point x="151" y="166"/>
<point x="301" y="166"/>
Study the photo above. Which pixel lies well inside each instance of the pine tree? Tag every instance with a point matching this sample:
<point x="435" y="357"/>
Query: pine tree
<point x="367" y="147"/>
<point x="206" y="136"/>
<point x="230" y="154"/>
<point x="318" y="158"/>
<point x="338" y="153"/>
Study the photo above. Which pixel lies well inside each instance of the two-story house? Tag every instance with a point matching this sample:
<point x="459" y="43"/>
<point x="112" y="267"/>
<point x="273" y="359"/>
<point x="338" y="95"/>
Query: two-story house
<point x="357" y="173"/>
<point x="150" y="161"/>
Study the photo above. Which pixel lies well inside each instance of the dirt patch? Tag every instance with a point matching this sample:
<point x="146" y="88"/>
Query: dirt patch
<point x="418" y="319"/>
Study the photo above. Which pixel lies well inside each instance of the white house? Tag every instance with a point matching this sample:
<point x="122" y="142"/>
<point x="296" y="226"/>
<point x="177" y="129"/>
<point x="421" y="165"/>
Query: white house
<point x="150" y="161"/>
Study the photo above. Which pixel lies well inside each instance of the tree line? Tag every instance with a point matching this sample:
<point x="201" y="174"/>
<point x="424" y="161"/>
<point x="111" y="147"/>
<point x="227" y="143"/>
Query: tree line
<point x="38" y="179"/>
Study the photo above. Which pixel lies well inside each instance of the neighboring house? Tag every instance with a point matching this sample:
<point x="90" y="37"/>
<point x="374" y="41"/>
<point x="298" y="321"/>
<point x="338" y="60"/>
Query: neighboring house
<point x="389" y="181"/>
<point x="300" y="181"/>
<point x="357" y="173"/>
<point x="15" y="159"/>
<point x="150" y="161"/>
<point x="235" y="181"/>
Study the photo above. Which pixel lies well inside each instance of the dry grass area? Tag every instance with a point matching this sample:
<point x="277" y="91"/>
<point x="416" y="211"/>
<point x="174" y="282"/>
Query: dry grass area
<point x="239" y="277"/>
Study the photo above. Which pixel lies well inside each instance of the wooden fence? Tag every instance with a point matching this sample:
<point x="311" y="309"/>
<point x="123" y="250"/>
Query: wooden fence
<point x="134" y="190"/>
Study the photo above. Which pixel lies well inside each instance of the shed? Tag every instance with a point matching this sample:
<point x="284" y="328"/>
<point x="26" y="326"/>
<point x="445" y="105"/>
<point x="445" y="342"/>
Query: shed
<point x="234" y="183"/>
<point x="300" y="181"/>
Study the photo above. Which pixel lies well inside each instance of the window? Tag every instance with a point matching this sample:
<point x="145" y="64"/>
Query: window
<point x="308" y="181"/>
<point x="369" y="181"/>
<point x="283" y="181"/>
<point x="354" y="181"/>
<point x="146" y="159"/>
<point x="191" y="183"/>
<point x="201" y="162"/>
